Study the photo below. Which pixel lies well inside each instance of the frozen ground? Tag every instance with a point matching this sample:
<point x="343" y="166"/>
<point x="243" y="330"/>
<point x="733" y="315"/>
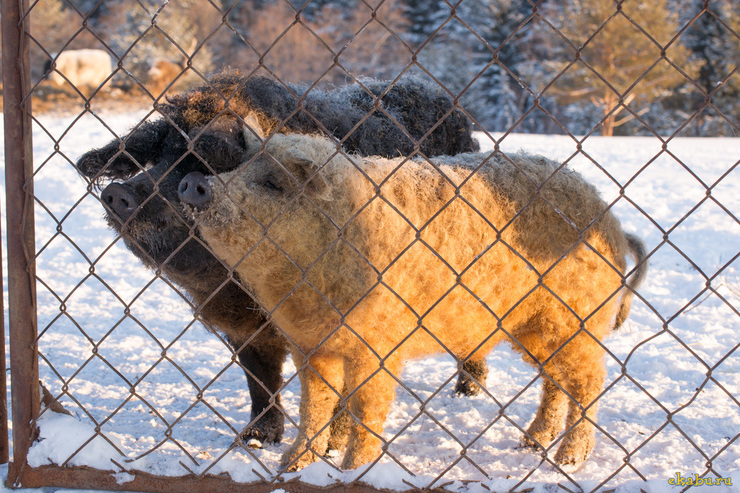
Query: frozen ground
<point x="679" y="334"/>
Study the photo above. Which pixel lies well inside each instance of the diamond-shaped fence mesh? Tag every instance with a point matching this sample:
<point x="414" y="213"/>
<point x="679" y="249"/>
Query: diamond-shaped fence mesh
<point x="415" y="227"/>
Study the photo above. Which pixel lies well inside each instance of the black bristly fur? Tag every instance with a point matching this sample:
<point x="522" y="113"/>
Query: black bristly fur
<point x="201" y="130"/>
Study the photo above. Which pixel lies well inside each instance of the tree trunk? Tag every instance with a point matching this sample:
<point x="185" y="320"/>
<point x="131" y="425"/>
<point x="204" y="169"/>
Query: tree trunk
<point x="610" y="113"/>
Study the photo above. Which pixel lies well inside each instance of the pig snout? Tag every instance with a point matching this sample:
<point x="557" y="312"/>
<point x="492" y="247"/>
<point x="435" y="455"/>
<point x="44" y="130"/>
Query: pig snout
<point x="194" y="190"/>
<point x="119" y="200"/>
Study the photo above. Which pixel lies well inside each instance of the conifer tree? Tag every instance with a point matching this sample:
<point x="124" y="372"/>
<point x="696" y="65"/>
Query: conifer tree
<point x="617" y="46"/>
<point x="716" y="50"/>
<point x="503" y="28"/>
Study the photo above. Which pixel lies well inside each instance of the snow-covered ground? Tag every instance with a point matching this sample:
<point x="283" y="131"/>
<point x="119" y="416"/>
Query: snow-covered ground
<point x="681" y="333"/>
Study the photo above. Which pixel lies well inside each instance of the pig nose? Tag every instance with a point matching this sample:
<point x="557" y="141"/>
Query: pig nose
<point x="119" y="200"/>
<point x="195" y="190"/>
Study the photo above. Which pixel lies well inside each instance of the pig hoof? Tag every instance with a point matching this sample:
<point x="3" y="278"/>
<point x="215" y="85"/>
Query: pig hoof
<point x="569" y="467"/>
<point x="257" y="437"/>
<point x="528" y="443"/>
<point x="474" y="372"/>
<point x="570" y="461"/>
<point x="538" y="437"/>
<point x="468" y="387"/>
<point x="293" y="460"/>
<point x="576" y="448"/>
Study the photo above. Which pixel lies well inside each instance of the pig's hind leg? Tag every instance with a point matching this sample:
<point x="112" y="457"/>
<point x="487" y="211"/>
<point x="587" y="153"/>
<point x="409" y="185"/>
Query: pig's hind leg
<point x="472" y="377"/>
<point x="548" y="422"/>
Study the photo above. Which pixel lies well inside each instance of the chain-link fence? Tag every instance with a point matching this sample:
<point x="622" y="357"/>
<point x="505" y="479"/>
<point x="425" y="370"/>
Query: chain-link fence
<point x="348" y="203"/>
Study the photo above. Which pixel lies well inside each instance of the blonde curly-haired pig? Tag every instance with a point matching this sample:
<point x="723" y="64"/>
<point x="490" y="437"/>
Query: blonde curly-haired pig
<point x="366" y="263"/>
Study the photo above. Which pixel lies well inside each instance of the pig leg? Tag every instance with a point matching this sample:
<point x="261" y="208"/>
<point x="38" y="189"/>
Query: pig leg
<point x="372" y="390"/>
<point x="581" y="363"/>
<point x="263" y="365"/>
<point x="472" y="376"/>
<point x="550" y="416"/>
<point x="340" y="428"/>
<point x="322" y="381"/>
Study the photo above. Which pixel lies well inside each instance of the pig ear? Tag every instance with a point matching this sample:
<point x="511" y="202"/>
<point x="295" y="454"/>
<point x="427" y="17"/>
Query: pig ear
<point x="306" y="169"/>
<point x="253" y="134"/>
<point x="142" y="145"/>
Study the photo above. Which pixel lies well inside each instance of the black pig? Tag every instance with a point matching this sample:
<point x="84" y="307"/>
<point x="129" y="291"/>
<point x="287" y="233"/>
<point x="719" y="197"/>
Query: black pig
<point x="202" y="130"/>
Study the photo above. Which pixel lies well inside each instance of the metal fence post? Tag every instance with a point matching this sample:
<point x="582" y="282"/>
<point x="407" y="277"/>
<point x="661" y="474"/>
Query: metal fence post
<point x="20" y="231"/>
<point x="3" y="381"/>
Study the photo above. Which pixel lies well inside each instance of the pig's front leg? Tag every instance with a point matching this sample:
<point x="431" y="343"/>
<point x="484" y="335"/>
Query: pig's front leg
<point x="262" y="364"/>
<point x="372" y="391"/>
<point x="322" y="380"/>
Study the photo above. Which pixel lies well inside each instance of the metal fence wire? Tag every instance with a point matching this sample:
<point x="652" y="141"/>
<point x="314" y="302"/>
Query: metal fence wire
<point x="355" y="265"/>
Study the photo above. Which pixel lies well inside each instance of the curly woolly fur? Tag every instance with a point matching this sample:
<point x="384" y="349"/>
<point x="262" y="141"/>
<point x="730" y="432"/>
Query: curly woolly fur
<point x="201" y="130"/>
<point x="410" y="107"/>
<point x="368" y="263"/>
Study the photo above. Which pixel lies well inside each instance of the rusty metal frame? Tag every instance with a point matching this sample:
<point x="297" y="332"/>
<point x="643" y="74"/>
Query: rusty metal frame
<point x="24" y="355"/>
<point x="20" y="230"/>
<point x="4" y="449"/>
<point x="86" y="477"/>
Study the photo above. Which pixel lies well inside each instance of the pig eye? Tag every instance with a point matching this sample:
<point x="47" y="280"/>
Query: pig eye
<point x="272" y="186"/>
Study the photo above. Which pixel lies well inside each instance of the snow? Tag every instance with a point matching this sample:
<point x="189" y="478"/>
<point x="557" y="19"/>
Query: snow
<point x="133" y="359"/>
